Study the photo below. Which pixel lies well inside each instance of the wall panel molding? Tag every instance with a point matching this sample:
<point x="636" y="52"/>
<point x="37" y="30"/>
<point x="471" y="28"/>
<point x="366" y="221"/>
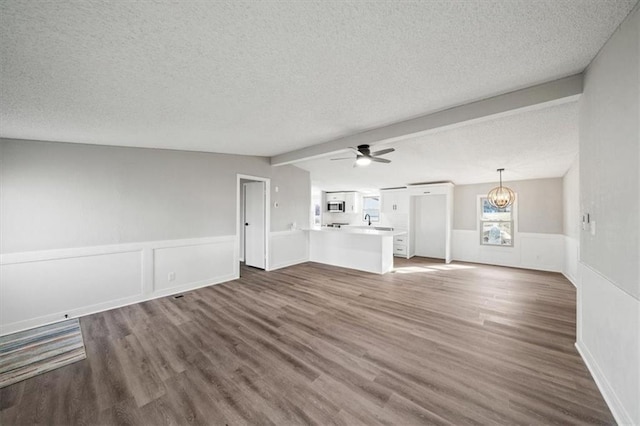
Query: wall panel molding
<point x="613" y="366"/>
<point x="42" y="287"/>
<point x="571" y="259"/>
<point x="544" y="252"/>
<point x="288" y="248"/>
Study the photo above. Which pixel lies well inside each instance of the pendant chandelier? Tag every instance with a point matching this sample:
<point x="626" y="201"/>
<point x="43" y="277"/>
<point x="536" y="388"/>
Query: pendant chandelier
<point x="501" y="196"/>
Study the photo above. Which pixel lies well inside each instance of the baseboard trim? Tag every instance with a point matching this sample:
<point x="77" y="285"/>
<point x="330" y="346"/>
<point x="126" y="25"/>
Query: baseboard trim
<point x="107" y="306"/>
<point x="507" y="265"/>
<point x="571" y="279"/>
<point x="287" y="264"/>
<point x="287" y="232"/>
<point x="610" y="397"/>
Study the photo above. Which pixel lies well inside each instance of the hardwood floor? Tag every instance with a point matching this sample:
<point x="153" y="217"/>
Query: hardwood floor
<point x="314" y="344"/>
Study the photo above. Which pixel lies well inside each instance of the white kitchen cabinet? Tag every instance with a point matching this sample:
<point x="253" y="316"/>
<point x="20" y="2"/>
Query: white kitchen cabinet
<point x="387" y="204"/>
<point x="351" y="202"/>
<point x="402" y="202"/>
<point x="395" y="201"/>
<point x="336" y="196"/>
<point x="400" y="243"/>
<point x="395" y="208"/>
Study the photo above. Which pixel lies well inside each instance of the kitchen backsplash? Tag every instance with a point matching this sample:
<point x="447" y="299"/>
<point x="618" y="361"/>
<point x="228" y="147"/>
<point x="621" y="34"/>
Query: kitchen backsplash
<point x="355" y="219"/>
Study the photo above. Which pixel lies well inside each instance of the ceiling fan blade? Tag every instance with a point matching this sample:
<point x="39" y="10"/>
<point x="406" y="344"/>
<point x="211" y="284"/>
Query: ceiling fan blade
<point x="380" y="160"/>
<point x="383" y="151"/>
<point x="355" y="150"/>
<point x="342" y="158"/>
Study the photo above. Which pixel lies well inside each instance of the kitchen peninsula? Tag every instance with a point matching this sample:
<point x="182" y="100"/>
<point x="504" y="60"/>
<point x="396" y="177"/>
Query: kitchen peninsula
<point x="364" y="249"/>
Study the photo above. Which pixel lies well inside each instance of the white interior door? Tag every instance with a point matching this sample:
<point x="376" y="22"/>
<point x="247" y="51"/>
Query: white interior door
<point x="431" y="226"/>
<point x="254" y="224"/>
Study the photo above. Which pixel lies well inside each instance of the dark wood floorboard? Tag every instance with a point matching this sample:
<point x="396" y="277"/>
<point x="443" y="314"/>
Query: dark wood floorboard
<point x="314" y="344"/>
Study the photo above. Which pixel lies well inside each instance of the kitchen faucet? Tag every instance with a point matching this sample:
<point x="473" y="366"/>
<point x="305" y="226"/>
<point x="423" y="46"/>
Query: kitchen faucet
<point x="369" y="217"/>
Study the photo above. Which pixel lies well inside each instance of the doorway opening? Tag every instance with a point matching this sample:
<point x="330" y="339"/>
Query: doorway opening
<point x="252" y="221"/>
<point x="430" y="226"/>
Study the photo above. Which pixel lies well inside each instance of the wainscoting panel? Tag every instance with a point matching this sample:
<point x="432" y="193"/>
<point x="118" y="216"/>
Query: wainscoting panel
<point x="288" y="248"/>
<point x="193" y="264"/>
<point x="37" y="292"/>
<point x="39" y="288"/>
<point x="609" y="342"/>
<point x="543" y="252"/>
<point x="571" y="257"/>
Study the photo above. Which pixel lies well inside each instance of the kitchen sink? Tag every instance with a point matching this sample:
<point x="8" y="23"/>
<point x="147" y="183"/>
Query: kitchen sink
<point x="370" y="228"/>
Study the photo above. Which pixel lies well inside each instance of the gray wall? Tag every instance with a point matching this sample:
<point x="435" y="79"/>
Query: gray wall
<point x="293" y="197"/>
<point x="609" y="159"/>
<point x="539" y="205"/>
<point x="59" y="195"/>
<point x="609" y="290"/>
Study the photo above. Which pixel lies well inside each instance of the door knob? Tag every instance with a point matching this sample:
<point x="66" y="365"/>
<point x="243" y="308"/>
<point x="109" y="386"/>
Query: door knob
<point x="246" y="224"/>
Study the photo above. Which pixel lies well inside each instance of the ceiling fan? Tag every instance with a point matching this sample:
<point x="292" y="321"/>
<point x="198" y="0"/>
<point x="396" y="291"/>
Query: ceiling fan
<point x="364" y="156"/>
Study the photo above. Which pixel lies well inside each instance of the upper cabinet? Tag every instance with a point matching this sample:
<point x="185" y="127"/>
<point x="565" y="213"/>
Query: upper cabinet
<point x="431" y="189"/>
<point x="351" y="202"/>
<point x="335" y="196"/>
<point x="394" y="201"/>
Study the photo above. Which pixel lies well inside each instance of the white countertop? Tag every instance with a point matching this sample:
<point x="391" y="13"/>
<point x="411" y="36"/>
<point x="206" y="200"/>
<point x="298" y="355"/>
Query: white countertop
<point x="361" y="231"/>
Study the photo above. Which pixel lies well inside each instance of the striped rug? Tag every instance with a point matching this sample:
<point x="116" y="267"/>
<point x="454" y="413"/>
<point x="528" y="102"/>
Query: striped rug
<point x="32" y="352"/>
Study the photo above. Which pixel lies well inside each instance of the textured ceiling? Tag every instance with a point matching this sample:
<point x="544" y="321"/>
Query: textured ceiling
<point x="264" y="78"/>
<point x="529" y="145"/>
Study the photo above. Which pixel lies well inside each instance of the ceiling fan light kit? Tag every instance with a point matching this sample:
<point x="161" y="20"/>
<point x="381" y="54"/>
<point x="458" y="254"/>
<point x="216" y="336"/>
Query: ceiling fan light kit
<point x="363" y="161"/>
<point x="364" y="156"/>
<point x="501" y="197"/>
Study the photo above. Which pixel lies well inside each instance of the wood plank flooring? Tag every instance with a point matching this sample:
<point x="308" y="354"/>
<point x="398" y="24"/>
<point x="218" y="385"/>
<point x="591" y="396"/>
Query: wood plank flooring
<point x="314" y="344"/>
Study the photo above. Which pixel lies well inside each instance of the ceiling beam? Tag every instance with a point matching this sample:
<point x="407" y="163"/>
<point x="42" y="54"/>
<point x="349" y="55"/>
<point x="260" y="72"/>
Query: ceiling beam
<point x="560" y="91"/>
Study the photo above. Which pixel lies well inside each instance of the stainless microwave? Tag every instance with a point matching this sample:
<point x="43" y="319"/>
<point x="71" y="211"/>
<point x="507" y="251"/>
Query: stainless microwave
<point x="335" y="207"/>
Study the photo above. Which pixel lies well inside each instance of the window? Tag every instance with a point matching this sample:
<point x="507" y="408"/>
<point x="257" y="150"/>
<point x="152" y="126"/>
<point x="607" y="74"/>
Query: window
<point x="316" y="206"/>
<point x="371" y="207"/>
<point x="496" y="225"/>
<point x="317" y="211"/>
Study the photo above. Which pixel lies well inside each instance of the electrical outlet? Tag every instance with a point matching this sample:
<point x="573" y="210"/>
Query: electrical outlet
<point x="172" y="276"/>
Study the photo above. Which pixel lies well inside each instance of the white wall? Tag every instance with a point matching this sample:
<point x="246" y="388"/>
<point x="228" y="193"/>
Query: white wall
<point x="430" y="230"/>
<point x="288" y="248"/>
<point x="40" y="287"/>
<point x="609" y="287"/>
<point x="538" y="239"/>
<point x="87" y="228"/>
<point x="571" y="221"/>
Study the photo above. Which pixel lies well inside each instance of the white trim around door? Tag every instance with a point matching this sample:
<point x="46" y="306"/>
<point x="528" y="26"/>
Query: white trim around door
<point x="267" y="213"/>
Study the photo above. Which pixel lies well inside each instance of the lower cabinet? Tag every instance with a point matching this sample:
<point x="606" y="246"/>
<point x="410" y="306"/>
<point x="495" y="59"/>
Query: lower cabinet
<point x="400" y="245"/>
